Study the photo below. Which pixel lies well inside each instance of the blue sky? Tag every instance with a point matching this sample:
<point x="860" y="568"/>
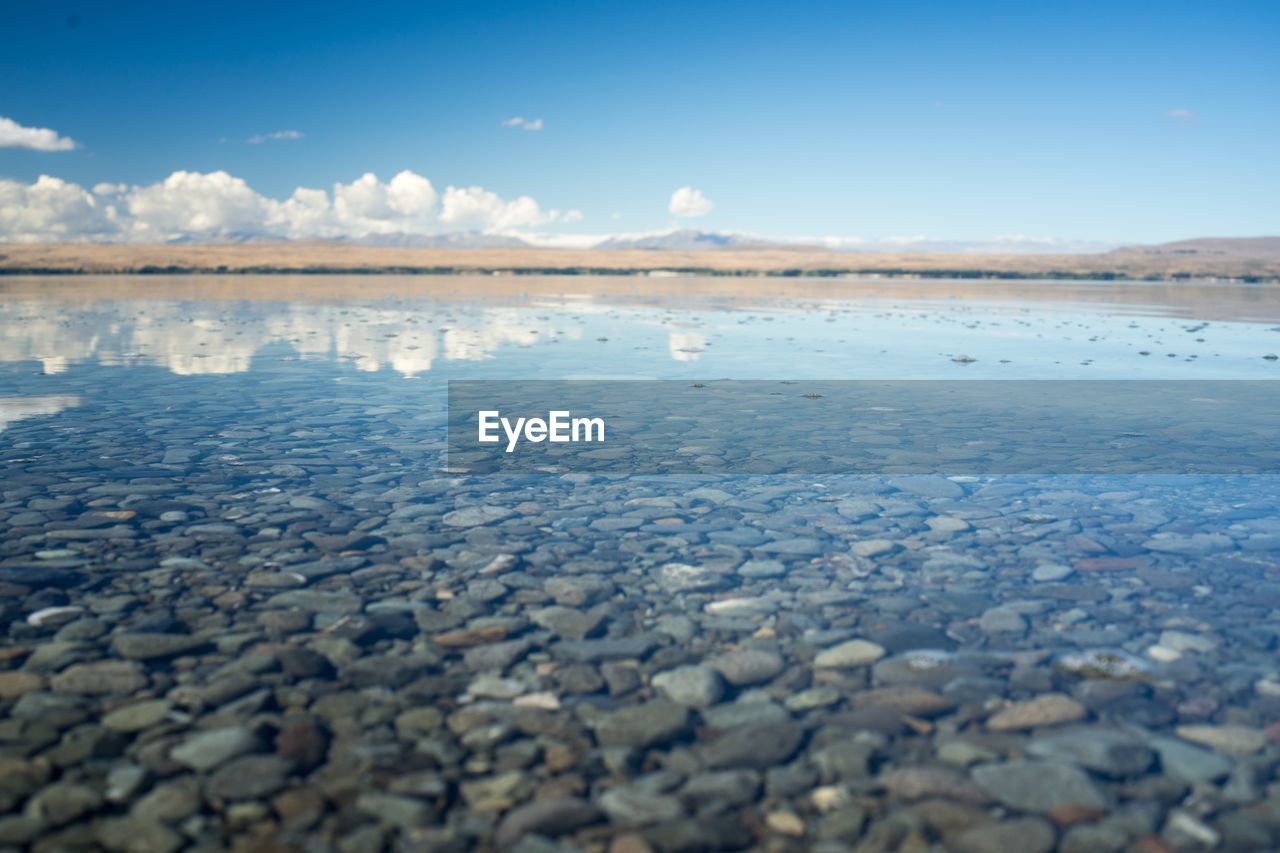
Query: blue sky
<point x="1085" y="121"/>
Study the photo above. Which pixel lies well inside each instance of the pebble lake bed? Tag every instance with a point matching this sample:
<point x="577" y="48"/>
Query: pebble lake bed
<point x="245" y="603"/>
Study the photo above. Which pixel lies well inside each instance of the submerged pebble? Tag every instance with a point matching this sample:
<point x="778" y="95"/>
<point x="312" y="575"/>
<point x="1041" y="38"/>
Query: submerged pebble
<point x="245" y="604"/>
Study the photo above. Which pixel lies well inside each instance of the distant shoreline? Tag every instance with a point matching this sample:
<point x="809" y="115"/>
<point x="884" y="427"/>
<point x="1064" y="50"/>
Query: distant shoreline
<point x="1240" y="261"/>
<point x="974" y="275"/>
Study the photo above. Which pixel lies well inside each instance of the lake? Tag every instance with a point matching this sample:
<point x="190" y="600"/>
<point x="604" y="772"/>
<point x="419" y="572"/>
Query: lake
<point x="246" y="595"/>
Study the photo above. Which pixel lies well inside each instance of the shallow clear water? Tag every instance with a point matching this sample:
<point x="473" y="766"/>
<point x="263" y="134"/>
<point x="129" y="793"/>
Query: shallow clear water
<point x="707" y="328"/>
<point x="236" y="489"/>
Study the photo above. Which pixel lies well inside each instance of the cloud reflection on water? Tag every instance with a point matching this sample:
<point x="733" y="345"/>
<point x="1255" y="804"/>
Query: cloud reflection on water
<point x="17" y="408"/>
<point x="192" y="339"/>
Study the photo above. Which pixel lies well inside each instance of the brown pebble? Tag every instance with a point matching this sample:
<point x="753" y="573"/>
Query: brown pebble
<point x="1108" y="564"/>
<point x="561" y="786"/>
<point x="13" y="653"/>
<point x="18" y="683"/>
<point x="260" y="840"/>
<point x="1051" y="709"/>
<point x="302" y="740"/>
<point x="917" y="725"/>
<point x="302" y="663"/>
<point x="285" y="621"/>
<point x="298" y="807"/>
<point x="560" y="757"/>
<point x="233" y="600"/>
<point x="1070" y="814"/>
<point x="629" y="843"/>
<point x="467" y="638"/>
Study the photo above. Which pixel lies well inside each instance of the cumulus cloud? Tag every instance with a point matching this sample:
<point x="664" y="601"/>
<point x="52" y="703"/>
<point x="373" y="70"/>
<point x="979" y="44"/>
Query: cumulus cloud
<point x="406" y="203"/>
<point x="305" y="214"/>
<point x="688" y="202"/>
<point x="367" y="206"/>
<point x="524" y="123"/>
<point x="14" y="135"/>
<point x="473" y="206"/>
<point x="218" y="206"/>
<point x="197" y="206"/>
<point x="52" y="210"/>
<point x="275" y="136"/>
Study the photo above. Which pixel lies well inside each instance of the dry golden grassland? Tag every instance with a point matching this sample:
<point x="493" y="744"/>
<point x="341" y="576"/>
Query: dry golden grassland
<point x="1240" y="259"/>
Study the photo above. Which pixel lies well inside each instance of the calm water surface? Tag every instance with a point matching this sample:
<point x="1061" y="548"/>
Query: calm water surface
<point x="225" y="509"/>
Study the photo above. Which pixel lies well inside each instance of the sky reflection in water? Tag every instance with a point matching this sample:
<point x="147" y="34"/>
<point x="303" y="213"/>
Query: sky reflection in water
<point x="476" y="328"/>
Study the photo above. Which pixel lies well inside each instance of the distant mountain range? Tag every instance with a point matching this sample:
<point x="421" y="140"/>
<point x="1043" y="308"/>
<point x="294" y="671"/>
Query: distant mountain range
<point x="691" y="240"/>
<point x="686" y="240"/>
<point x="452" y="240"/>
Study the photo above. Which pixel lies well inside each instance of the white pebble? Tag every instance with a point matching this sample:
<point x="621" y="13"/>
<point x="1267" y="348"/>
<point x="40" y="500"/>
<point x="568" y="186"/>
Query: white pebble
<point x="544" y="701"/>
<point x="828" y="798"/>
<point x="50" y="614"/>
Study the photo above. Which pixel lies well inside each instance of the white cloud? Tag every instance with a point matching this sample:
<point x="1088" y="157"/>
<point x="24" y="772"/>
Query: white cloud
<point x="218" y="206"/>
<point x="405" y="204"/>
<point x="474" y="206"/>
<point x="1182" y="116"/>
<point x="14" y="135"/>
<point x="405" y="198"/>
<point x="195" y="205"/>
<point x="523" y="123"/>
<point x="52" y="210"/>
<point x="687" y="202"/>
<point x="304" y="215"/>
<point x="275" y="136"/>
